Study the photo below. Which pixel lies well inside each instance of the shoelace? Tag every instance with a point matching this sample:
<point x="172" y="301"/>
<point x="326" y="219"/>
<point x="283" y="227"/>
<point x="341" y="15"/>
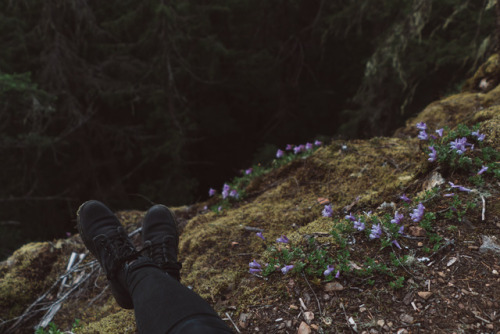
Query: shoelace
<point x="118" y="250"/>
<point x="162" y="253"/>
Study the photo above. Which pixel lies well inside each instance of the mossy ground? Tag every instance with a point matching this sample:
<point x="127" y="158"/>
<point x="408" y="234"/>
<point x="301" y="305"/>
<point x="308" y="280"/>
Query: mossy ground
<point x="355" y="176"/>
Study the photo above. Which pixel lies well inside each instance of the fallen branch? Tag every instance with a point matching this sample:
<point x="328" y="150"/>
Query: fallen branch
<point x="483" y="212"/>
<point x="236" y="327"/>
<point x="314" y="293"/>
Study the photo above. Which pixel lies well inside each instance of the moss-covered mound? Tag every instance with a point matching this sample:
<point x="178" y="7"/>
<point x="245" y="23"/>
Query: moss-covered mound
<point x="216" y="247"/>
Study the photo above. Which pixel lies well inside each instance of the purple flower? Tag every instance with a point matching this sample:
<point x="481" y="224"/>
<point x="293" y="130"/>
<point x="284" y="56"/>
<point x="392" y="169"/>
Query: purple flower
<point x="283" y="239"/>
<point x="479" y="136"/>
<point x="249" y="171"/>
<point x="359" y="226"/>
<point x="449" y="195"/>
<point x="254" y="270"/>
<point x="309" y="146"/>
<point x="234" y="194"/>
<point x="396" y="243"/>
<point x="286" y="269"/>
<point x="440" y="132"/>
<point x="350" y="217"/>
<point x="68" y="234"/>
<point x="422" y="135"/>
<point x="279" y="153"/>
<point x="421" y="126"/>
<point x="225" y="191"/>
<point x="401" y="229"/>
<point x="461" y="188"/>
<point x="219" y="208"/>
<point x="433" y="154"/>
<point x="418" y="213"/>
<point x="405" y="198"/>
<point x="337" y="275"/>
<point x="318" y="143"/>
<point x="298" y="149"/>
<point x="397" y="218"/>
<point x="482" y="170"/>
<point x="211" y="192"/>
<point x="260" y="235"/>
<point x="376" y="231"/>
<point x="328" y="270"/>
<point x="327" y="211"/>
<point x="459" y="145"/>
<point x="254" y="264"/>
<point x="289" y="147"/>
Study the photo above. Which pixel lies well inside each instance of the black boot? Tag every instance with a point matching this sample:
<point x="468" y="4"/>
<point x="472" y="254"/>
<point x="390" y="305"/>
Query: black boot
<point x="104" y="236"/>
<point x="161" y="239"/>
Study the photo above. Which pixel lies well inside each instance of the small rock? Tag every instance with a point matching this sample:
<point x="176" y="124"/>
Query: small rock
<point x="424" y="294"/>
<point x="288" y="323"/>
<point x="452" y="260"/>
<point x="489" y="244"/>
<point x="294" y="307"/>
<point x="326" y="297"/>
<point x="434" y="180"/>
<point x="282" y="326"/>
<point x="402" y="331"/>
<point x="308" y="316"/>
<point x="333" y="286"/>
<point x="244" y="319"/>
<point x="373" y="331"/>
<point x="380" y="323"/>
<point x="420" y="244"/>
<point x="417" y="231"/>
<point x="490" y="326"/>
<point x="389" y="324"/>
<point x="386" y="328"/>
<point x="494" y="272"/>
<point x="315" y="327"/>
<point x="406" y="318"/>
<point x="304" y="328"/>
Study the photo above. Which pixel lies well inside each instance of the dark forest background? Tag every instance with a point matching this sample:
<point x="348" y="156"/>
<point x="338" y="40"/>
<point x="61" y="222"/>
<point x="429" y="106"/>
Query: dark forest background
<point x="162" y="99"/>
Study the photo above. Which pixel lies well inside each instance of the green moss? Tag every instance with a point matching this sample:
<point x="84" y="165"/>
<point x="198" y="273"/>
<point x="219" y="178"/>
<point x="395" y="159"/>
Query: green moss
<point x="24" y="277"/>
<point x="119" y="322"/>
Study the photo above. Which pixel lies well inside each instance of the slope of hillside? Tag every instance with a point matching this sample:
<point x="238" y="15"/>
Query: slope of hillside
<point x="437" y="277"/>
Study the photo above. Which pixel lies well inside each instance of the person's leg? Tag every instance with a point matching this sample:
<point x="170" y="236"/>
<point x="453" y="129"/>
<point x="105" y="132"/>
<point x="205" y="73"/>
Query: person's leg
<point x="160" y="302"/>
<point x="161" y="239"/>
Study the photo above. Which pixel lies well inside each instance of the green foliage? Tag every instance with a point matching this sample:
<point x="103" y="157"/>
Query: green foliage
<point x="398" y="283"/>
<point x="53" y="329"/>
<point x="458" y="209"/>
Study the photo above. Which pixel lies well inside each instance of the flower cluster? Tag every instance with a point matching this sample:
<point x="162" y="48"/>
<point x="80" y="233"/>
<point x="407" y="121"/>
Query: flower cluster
<point x="298" y="148"/>
<point x="283" y="239"/>
<point x="418" y="213"/>
<point x="255" y="267"/>
<point x="327" y="211"/>
<point x="458" y="145"/>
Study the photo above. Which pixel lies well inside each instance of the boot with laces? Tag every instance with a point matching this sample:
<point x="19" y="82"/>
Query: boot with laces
<point x="161" y="239"/>
<point x="104" y="236"/>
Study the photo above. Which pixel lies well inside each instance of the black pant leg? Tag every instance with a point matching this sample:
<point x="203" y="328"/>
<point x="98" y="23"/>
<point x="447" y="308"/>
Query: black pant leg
<point x="161" y="302"/>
